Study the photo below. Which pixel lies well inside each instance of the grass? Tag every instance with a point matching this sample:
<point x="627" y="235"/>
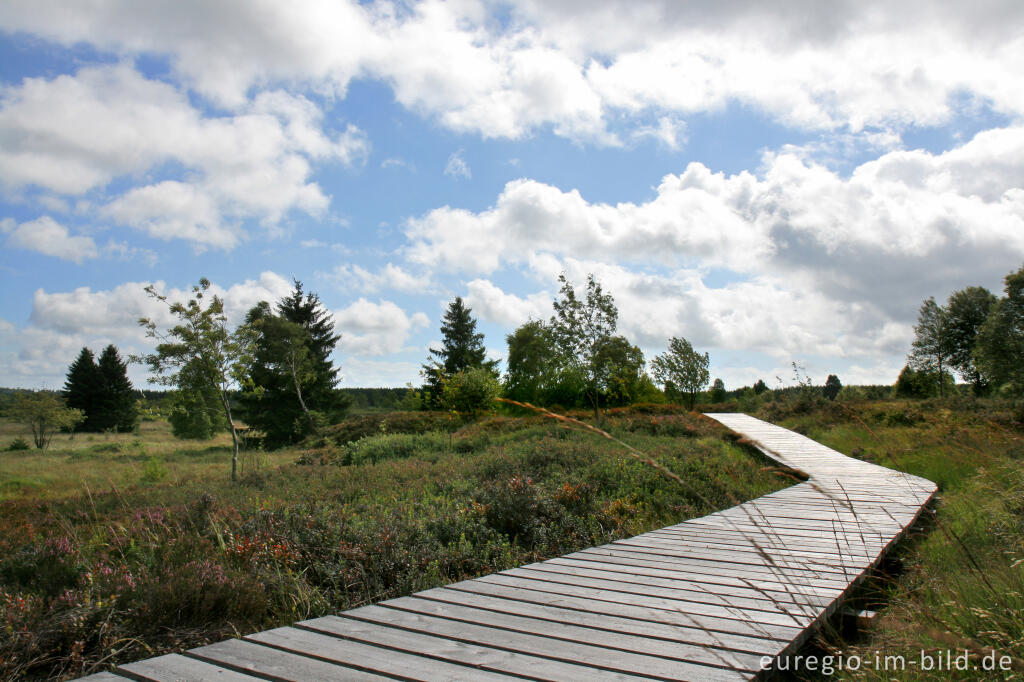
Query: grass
<point x="76" y="463"/>
<point x="126" y="546"/>
<point x="959" y="587"/>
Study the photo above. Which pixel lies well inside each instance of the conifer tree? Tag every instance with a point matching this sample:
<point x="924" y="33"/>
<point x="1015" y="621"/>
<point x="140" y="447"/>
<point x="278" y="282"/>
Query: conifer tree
<point x="462" y="348"/>
<point x="116" y="402"/>
<point x="293" y="381"/>
<point x="83" y="389"/>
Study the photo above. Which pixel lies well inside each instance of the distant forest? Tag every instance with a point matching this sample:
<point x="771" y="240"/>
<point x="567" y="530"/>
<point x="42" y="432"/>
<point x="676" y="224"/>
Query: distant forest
<point x="363" y="399"/>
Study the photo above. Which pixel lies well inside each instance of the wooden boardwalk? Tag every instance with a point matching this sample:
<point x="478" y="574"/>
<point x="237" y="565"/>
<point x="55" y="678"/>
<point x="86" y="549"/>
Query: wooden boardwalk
<point x="706" y="599"/>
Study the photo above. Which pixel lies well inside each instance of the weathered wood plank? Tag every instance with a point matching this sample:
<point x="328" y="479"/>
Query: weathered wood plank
<point x="250" y="657"/>
<point x="701" y="615"/>
<point x="748" y="557"/>
<point x="445" y="649"/>
<point x="706" y="586"/>
<point x="565" y="650"/>
<point x="599" y="619"/>
<point x="744" y="544"/>
<point x="750" y="600"/>
<point x="394" y="662"/>
<point x="175" y="668"/>
<point x="757" y="582"/>
<point x="698" y="566"/>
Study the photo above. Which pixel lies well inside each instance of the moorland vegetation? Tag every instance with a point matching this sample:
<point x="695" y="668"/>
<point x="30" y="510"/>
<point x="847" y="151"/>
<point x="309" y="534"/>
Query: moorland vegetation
<point x="125" y="538"/>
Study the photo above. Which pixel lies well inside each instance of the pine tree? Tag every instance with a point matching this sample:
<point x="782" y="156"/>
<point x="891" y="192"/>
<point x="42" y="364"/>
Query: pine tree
<point x="462" y="348"/>
<point x="83" y="389"/>
<point x="117" y="404"/>
<point x="294" y="381"/>
<point x="832" y="387"/>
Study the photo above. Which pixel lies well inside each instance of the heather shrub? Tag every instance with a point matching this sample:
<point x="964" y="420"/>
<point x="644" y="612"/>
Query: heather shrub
<point x="354" y="429"/>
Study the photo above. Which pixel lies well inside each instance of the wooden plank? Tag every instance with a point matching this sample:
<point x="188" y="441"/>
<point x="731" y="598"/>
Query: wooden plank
<point x="742" y="544"/>
<point x="103" y="677"/>
<point x="604" y="621"/>
<point x="809" y="528"/>
<point x="783" y="507"/>
<point x="768" y="612"/>
<point x="792" y="519"/>
<point x="698" y="566"/>
<point x="175" y="668"/>
<point x="565" y="650"/>
<point x="443" y="649"/>
<point x="866" y="538"/>
<point x="750" y="602"/>
<point x="706" y="586"/>
<point x="582" y="634"/>
<point x="743" y="557"/>
<point x="701" y="615"/>
<point x="765" y="583"/>
<point x="394" y="662"/>
<point x="251" y="657"/>
<point x="766" y="537"/>
<point x="618" y="608"/>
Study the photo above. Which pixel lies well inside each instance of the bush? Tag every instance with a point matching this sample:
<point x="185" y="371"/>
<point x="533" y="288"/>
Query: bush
<point x="397" y="446"/>
<point x="196" y="415"/>
<point x="18" y="443"/>
<point x="351" y="430"/>
<point x="153" y="471"/>
<point x="470" y="392"/>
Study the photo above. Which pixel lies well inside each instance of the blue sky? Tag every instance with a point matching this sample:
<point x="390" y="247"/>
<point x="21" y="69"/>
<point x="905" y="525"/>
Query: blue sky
<point x="774" y="184"/>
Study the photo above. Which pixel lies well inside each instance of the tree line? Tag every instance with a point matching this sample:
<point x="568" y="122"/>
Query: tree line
<point x="976" y="335"/>
<point x="576" y="358"/>
<point x="274" y="373"/>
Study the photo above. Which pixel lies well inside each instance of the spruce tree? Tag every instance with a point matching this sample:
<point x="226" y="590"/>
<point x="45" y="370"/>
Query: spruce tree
<point x="294" y="381"/>
<point x="462" y="348"/>
<point x="83" y="389"/>
<point x="117" y="404"/>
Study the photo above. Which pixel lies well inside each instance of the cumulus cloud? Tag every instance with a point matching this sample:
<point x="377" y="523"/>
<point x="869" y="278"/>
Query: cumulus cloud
<point x="895" y="231"/>
<point x="75" y="134"/>
<point x="571" y="66"/>
<point x="494" y="305"/>
<point x="376" y="328"/>
<point x="49" y="237"/>
<point x="389" y="278"/>
<point x="62" y="322"/>
<point x="361" y="371"/>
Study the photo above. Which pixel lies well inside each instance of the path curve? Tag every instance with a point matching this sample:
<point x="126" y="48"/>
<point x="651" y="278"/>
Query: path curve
<point x="713" y="598"/>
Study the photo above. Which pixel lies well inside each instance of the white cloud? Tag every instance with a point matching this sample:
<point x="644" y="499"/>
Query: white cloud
<point x="49" y="237"/>
<point x="357" y="371"/>
<point x="669" y="131"/>
<point x="61" y="323"/>
<point x="457" y="166"/>
<point x="494" y="305"/>
<point x="895" y="231"/>
<point x="369" y="328"/>
<point x="389" y="278"/>
<point x="75" y="134"/>
<point x="573" y="66"/>
<point x="398" y="163"/>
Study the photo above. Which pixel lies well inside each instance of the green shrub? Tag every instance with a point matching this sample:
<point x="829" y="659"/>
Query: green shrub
<point x="396" y="446"/>
<point x="351" y="430"/>
<point x="470" y="392"/>
<point x="153" y="470"/>
<point x="17" y="444"/>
